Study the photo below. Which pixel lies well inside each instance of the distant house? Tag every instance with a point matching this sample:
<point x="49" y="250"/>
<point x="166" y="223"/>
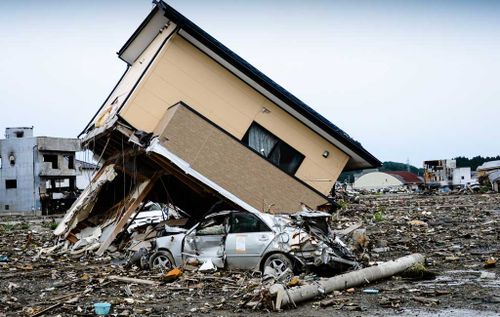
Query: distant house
<point x="491" y="170"/>
<point x="86" y="171"/>
<point x="37" y="174"/>
<point x="388" y="180"/>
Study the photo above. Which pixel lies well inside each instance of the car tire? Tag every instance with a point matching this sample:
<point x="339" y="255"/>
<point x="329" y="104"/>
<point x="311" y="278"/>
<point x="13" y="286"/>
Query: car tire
<point x="279" y="262"/>
<point x="161" y="261"/>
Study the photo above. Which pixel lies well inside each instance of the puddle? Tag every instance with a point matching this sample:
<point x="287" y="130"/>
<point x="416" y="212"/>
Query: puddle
<point x="462" y="277"/>
<point x="447" y="313"/>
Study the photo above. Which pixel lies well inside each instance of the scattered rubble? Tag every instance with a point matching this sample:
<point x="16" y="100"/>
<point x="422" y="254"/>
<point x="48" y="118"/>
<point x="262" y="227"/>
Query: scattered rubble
<point x="460" y="242"/>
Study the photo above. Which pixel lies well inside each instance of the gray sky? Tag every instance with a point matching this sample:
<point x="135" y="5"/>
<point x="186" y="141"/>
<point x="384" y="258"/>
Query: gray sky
<point x="408" y="79"/>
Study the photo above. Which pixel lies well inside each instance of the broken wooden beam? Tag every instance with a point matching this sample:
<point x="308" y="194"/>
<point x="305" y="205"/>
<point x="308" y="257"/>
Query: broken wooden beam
<point x="135" y="199"/>
<point x="131" y="280"/>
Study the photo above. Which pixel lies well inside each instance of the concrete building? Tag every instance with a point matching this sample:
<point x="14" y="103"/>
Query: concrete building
<point x="439" y="173"/>
<point x="445" y="173"/>
<point x="462" y="177"/>
<point x="36" y="173"/>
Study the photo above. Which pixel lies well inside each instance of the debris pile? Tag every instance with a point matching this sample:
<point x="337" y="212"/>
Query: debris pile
<point x="458" y="234"/>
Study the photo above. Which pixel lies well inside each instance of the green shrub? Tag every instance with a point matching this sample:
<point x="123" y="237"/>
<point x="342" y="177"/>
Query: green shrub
<point x="379" y="214"/>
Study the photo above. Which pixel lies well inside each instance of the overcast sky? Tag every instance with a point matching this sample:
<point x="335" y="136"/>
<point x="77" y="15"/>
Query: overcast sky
<point x="408" y="79"/>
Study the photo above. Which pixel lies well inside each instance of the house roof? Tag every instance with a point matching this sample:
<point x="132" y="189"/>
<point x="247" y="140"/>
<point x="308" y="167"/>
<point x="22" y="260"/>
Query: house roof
<point x="406" y="177"/>
<point x="361" y="158"/>
<point x="87" y="165"/>
<point x="489" y="166"/>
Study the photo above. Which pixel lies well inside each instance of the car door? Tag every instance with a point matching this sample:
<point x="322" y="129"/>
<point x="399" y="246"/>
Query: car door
<point x="247" y="240"/>
<point x="206" y="241"/>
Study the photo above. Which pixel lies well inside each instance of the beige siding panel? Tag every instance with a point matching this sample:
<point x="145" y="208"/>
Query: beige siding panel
<point x="184" y="73"/>
<point x="224" y="86"/>
<point x="139" y="118"/>
<point x="206" y="100"/>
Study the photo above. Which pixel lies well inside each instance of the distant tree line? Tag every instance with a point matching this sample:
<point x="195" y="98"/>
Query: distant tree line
<point x="386" y="167"/>
<point x="395" y="166"/>
<point x="474" y="162"/>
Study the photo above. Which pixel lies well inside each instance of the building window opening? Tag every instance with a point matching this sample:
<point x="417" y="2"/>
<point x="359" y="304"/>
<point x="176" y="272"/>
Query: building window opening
<point x="71" y="161"/>
<point x="273" y="149"/>
<point x="51" y="158"/>
<point x="10" y="183"/>
<point x="19" y="134"/>
<point x="12" y="159"/>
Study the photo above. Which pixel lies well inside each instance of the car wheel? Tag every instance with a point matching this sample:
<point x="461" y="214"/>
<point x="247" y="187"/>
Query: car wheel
<point x="279" y="262"/>
<point x="161" y="261"/>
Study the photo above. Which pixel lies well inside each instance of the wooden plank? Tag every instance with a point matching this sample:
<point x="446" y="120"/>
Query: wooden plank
<point x="140" y="192"/>
<point x="42" y="312"/>
<point x="131" y="280"/>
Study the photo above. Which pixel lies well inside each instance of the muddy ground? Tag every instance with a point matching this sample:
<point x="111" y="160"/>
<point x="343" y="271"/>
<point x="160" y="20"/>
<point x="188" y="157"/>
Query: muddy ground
<point x="457" y="233"/>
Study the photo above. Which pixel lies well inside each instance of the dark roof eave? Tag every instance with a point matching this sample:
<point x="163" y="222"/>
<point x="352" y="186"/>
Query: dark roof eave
<point x="138" y="31"/>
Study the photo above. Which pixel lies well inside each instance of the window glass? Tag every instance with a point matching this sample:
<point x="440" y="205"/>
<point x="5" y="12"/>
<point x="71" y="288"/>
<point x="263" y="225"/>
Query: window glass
<point x="260" y="140"/>
<point x="246" y="222"/>
<point x="286" y="157"/>
<point x="275" y="150"/>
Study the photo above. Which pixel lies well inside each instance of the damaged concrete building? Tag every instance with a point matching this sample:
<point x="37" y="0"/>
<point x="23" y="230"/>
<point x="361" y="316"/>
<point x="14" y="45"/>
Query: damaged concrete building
<point x="37" y="174"/>
<point x="445" y="173"/>
<point x="192" y="125"/>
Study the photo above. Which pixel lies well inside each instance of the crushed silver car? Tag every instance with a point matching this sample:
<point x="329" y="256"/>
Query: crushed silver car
<point x="254" y="241"/>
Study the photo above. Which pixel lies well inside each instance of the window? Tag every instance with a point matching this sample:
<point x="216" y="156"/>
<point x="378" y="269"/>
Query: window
<point x="51" y="158"/>
<point x="12" y="159"/>
<point x="71" y="161"/>
<point x="246" y="222"/>
<point x="273" y="149"/>
<point x="19" y="134"/>
<point x="10" y="183"/>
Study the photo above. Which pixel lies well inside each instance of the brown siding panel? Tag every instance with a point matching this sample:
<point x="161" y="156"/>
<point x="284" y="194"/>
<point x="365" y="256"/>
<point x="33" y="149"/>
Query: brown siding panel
<point x="231" y="165"/>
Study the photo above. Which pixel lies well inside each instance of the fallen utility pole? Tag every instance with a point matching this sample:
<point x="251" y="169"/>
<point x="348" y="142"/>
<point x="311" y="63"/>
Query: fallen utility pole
<point x="343" y="281"/>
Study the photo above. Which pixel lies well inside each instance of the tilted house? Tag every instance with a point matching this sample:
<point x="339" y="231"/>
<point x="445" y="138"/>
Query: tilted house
<point x="211" y="122"/>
